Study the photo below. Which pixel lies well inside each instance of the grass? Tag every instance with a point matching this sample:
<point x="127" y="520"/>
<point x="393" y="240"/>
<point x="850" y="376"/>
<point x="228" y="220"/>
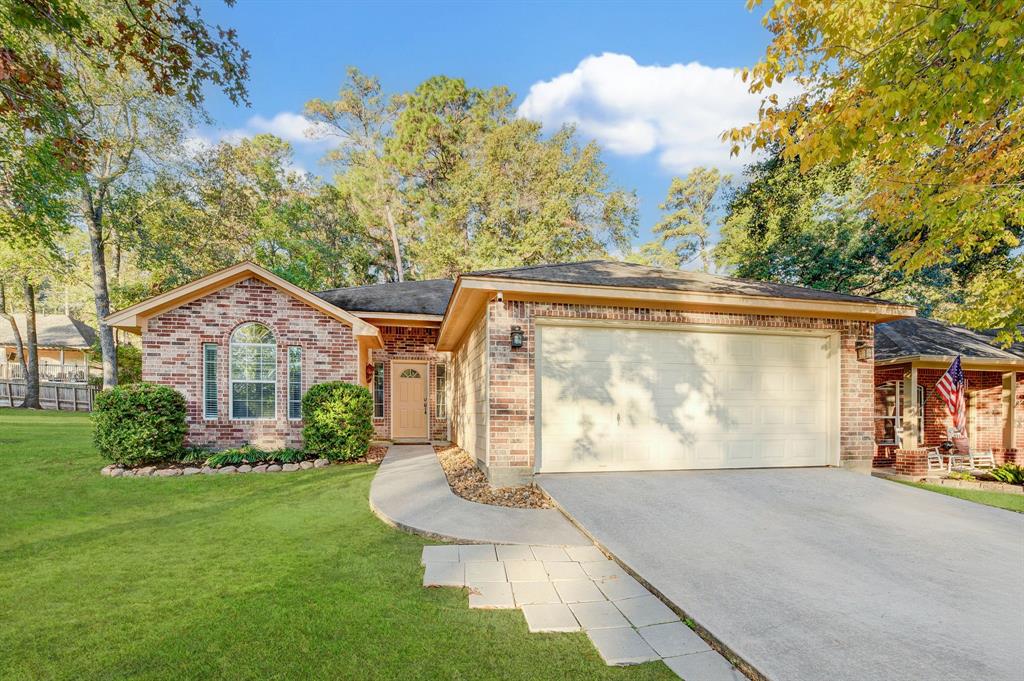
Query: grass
<point x="233" y="577"/>
<point x="1011" y="502"/>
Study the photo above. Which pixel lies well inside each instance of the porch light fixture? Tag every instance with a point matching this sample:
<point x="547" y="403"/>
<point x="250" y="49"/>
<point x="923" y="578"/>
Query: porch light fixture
<point x="865" y="351"/>
<point x="517" y="336"/>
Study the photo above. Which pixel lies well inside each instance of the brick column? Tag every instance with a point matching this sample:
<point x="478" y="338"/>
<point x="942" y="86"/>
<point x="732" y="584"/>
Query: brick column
<point x="913" y="462"/>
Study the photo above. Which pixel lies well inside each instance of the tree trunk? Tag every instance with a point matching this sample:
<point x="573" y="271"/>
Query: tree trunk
<point x="32" y="376"/>
<point x="100" y="292"/>
<point x="393" y="231"/>
<point x="19" y="347"/>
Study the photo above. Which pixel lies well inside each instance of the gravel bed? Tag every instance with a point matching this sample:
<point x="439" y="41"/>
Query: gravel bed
<point x="469" y="482"/>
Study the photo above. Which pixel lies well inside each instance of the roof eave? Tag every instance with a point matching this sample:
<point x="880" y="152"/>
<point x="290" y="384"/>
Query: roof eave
<point x="967" y="361"/>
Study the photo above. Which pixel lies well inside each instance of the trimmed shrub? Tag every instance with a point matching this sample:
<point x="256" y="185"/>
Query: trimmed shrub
<point x="139" y="424"/>
<point x="338" y="420"/>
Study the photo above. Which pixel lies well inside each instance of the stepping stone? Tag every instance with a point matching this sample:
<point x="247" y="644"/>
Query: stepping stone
<point x="444" y="574"/>
<point x="484" y="571"/>
<point x="582" y="554"/>
<point x="673" y="639"/>
<point x="534" y="593"/>
<point x="577" y="591"/>
<point x="624" y="646"/>
<point x="552" y="553"/>
<point x="704" y="666"/>
<point x="603" y="569"/>
<point x="514" y="552"/>
<point x="491" y="595"/>
<point x="526" y="571"/>
<point x="468" y="552"/>
<point x="623" y="587"/>
<point x="558" y="571"/>
<point x="440" y="554"/>
<point x="550" y="617"/>
<point x="645" y="611"/>
<point x="598" y="615"/>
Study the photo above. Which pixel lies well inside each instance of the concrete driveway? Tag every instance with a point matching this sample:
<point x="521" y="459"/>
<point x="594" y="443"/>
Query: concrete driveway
<point x="813" y="574"/>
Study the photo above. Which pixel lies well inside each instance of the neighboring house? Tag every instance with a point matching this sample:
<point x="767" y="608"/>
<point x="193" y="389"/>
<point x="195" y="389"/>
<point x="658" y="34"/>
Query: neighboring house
<point x="911" y="355"/>
<point x="64" y="348"/>
<point x="570" y="367"/>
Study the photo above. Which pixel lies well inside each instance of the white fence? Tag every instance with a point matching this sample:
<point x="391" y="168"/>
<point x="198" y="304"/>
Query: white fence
<point x="63" y="396"/>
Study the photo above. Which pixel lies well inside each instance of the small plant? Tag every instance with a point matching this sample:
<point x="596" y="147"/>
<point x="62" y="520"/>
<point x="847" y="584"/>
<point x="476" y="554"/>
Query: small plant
<point x="194" y="455"/>
<point x="250" y="454"/>
<point x="960" y="475"/>
<point x="338" y="420"/>
<point x="140" y="424"/>
<point x="1009" y="473"/>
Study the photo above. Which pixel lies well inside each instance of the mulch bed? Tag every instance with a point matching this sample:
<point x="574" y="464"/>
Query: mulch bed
<point x="469" y="482"/>
<point x="376" y="454"/>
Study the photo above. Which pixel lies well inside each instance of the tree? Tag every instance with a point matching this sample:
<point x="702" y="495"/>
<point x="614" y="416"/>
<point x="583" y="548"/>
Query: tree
<point x="685" y="230"/>
<point x="929" y="97"/>
<point x="361" y="119"/>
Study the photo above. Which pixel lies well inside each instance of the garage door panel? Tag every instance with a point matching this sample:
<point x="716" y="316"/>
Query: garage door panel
<point x="680" y="399"/>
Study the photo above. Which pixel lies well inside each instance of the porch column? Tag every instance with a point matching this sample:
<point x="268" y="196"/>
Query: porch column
<point x="909" y="437"/>
<point x="1009" y="406"/>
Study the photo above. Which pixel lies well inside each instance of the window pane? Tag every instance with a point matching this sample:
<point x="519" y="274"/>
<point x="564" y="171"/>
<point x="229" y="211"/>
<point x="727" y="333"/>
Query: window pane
<point x="378" y="390"/>
<point x="294" y="382"/>
<point x="410" y="373"/>
<point x="253" y="332"/>
<point x="252" y="400"/>
<point x="210" y="381"/>
<point x="441" y="373"/>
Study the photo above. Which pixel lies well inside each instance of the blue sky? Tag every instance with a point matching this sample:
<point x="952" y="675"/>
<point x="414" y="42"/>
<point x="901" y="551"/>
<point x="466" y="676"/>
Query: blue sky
<point x="651" y="81"/>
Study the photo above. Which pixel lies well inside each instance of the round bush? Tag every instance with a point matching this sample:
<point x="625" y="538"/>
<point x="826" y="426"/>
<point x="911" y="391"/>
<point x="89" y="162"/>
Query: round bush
<point x="139" y="424"/>
<point x="337" y="420"/>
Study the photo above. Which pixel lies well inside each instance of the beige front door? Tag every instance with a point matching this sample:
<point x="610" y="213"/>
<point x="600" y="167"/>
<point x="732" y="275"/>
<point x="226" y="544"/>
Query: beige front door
<point x="409" y="399"/>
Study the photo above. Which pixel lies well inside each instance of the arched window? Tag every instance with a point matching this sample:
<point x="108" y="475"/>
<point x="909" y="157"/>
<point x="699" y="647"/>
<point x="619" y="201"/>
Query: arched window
<point x="253" y="372"/>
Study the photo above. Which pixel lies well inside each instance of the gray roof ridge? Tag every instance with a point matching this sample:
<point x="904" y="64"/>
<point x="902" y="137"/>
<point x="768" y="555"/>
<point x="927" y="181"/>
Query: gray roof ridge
<point x="382" y="283"/>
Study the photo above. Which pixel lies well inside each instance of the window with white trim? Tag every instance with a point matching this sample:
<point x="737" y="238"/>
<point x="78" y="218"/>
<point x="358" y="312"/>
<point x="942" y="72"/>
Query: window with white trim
<point x="378" y="390"/>
<point x="209" y="380"/>
<point x="440" y="390"/>
<point x="253" y="372"/>
<point x="294" y="382"/>
<point x="889" y="412"/>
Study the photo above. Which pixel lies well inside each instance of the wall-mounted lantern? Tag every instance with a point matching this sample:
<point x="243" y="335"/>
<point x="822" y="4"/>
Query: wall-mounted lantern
<point x="865" y="351"/>
<point x="517" y="336"/>
<point x="369" y="373"/>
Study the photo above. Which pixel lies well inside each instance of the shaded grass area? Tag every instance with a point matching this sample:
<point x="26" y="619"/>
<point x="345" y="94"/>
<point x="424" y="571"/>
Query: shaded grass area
<point x="1011" y="502"/>
<point x="233" y="577"/>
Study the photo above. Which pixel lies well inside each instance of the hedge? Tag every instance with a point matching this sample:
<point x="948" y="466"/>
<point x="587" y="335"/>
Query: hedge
<point x="338" y="420"/>
<point x="139" y="424"/>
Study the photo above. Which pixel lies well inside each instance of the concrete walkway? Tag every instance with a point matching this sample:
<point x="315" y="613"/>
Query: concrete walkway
<point x="810" y="574"/>
<point x="410" y="492"/>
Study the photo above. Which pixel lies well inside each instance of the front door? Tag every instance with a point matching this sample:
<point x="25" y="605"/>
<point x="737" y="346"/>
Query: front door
<point x="409" y="399"/>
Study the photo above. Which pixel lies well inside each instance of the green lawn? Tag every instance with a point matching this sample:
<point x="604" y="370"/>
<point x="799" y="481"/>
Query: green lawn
<point x="1011" y="502"/>
<point x="253" y="576"/>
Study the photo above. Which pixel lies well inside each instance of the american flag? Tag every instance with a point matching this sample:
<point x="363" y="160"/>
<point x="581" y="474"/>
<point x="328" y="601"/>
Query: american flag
<point x="951" y="388"/>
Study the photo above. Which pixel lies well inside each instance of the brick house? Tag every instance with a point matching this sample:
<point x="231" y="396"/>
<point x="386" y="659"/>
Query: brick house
<point x="911" y="355"/>
<point x="568" y="367"/>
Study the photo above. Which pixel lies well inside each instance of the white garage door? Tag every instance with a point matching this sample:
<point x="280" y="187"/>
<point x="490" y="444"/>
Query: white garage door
<point x="649" y="399"/>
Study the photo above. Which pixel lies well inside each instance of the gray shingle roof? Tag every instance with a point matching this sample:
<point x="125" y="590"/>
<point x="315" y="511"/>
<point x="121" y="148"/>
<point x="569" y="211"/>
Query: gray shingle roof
<point x="919" y="336"/>
<point x="408" y="297"/>
<point x="52" y="330"/>
<point x="612" y="273"/>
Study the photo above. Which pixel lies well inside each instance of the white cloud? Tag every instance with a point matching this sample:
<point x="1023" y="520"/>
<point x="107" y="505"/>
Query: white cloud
<point x="291" y="127"/>
<point x="677" y="111"/>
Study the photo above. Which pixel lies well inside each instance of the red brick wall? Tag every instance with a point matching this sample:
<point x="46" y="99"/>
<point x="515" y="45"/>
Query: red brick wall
<point x="511" y="379"/>
<point x="416" y="343"/>
<point x="172" y="354"/>
<point x="984" y="413"/>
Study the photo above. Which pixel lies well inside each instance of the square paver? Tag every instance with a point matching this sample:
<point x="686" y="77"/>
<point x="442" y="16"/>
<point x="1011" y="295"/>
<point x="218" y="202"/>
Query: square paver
<point x="578" y="591"/>
<point x="558" y="570"/>
<point x="491" y="595"/>
<point x="440" y="554"/>
<point x="525" y="571"/>
<point x="603" y="569"/>
<point x="598" y="615"/>
<point x="550" y="617"/>
<point x="704" y="666"/>
<point x="551" y="553"/>
<point x="645" y="611"/>
<point x="582" y="554"/>
<point x="534" y="593"/>
<point x="514" y="552"/>
<point x="672" y="639"/>
<point x="468" y="552"/>
<point x="444" y="574"/>
<point x="623" y="646"/>
<point x="484" y="571"/>
<point x="623" y="587"/>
